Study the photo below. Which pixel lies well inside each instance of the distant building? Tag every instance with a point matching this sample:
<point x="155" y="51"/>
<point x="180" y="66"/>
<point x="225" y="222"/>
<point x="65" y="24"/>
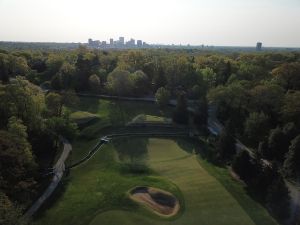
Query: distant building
<point x="111" y="42"/>
<point x="103" y="44"/>
<point x="121" y="41"/>
<point x="130" y="43"/>
<point x="139" y="43"/>
<point x="258" y="46"/>
<point x="93" y="43"/>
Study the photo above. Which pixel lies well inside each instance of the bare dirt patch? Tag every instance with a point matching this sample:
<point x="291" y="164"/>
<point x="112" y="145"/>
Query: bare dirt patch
<point x="159" y="201"/>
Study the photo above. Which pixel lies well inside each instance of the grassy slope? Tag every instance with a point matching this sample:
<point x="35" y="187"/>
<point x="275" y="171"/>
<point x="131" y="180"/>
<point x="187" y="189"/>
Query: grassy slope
<point x="254" y="209"/>
<point x="99" y="184"/>
<point x="115" y="113"/>
<point x="206" y="200"/>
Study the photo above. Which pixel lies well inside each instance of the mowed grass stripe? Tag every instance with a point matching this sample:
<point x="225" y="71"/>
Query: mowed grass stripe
<point x="206" y="201"/>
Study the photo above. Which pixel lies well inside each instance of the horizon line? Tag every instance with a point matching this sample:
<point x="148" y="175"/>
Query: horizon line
<point x="161" y="44"/>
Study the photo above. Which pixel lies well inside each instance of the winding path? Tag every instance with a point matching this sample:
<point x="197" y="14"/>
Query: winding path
<point x="58" y="171"/>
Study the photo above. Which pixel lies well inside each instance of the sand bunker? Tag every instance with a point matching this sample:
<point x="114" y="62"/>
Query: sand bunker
<point x="161" y="202"/>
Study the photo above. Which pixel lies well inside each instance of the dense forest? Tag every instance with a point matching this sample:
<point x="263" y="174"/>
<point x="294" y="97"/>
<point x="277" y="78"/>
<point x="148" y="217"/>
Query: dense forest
<point x="256" y="96"/>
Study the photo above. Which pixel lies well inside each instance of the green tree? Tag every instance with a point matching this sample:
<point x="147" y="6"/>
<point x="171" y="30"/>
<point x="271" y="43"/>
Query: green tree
<point x="118" y="83"/>
<point x="4" y="68"/>
<point x="256" y="128"/>
<point x="94" y="83"/>
<point x="250" y="72"/>
<point x="17" y="165"/>
<point x="162" y="96"/>
<point x="201" y="114"/>
<point x="87" y="63"/>
<point x="19" y="66"/>
<point x="9" y="214"/>
<point x="209" y="76"/>
<point x="263" y="150"/>
<point x="181" y="114"/>
<point x="24" y="101"/>
<point x="278" y="144"/>
<point x="232" y="102"/>
<point x="140" y="82"/>
<point x="225" y="145"/>
<point x="243" y="166"/>
<point x="278" y="198"/>
<point x="67" y="76"/>
<point x="61" y="126"/>
<point x="54" y="104"/>
<point x="54" y="63"/>
<point x="288" y="75"/>
<point x="15" y="126"/>
<point x="267" y="98"/>
<point x="291" y="107"/>
<point x="197" y="92"/>
<point x="290" y="131"/>
<point x="56" y="82"/>
<point x="291" y="165"/>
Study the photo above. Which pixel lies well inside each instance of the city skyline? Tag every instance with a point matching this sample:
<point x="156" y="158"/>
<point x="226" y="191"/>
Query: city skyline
<point x="194" y="22"/>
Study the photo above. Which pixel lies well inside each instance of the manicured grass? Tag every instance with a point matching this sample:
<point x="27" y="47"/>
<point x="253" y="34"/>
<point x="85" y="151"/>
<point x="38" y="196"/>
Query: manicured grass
<point x="98" y="185"/>
<point x="114" y="113"/>
<point x="120" y="112"/>
<point x="206" y="199"/>
<point x="255" y="210"/>
<point x="150" y="118"/>
<point x="80" y="115"/>
<point x="96" y="191"/>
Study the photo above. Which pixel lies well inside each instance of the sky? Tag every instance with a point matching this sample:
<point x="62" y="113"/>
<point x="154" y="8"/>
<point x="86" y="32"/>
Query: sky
<point x="210" y="22"/>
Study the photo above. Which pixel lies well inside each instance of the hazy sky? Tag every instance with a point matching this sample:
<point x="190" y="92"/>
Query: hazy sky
<point x="210" y="22"/>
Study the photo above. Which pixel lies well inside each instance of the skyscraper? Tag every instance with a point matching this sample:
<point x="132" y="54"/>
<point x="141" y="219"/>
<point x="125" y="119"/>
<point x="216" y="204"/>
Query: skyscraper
<point x="111" y="42"/>
<point x="121" y="40"/>
<point x="139" y="43"/>
<point x="258" y="46"/>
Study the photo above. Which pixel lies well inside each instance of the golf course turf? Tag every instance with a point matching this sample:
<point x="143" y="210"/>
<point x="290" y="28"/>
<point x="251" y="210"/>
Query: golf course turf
<point x="96" y="192"/>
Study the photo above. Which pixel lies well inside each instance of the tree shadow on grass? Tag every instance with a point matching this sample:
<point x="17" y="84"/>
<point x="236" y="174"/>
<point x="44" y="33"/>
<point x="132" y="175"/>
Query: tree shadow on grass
<point x="133" y="154"/>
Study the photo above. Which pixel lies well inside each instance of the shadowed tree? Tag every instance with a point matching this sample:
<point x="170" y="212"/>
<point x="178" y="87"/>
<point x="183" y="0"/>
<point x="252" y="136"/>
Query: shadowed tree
<point x="278" y="144"/>
<point x="291" y="166"/>
<point x="225" y="145"/>
<point x="278" y="199"/>
<point x="162" y="97"/>
<point x="256" y="128"/>
<point x="181" y="114"/>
